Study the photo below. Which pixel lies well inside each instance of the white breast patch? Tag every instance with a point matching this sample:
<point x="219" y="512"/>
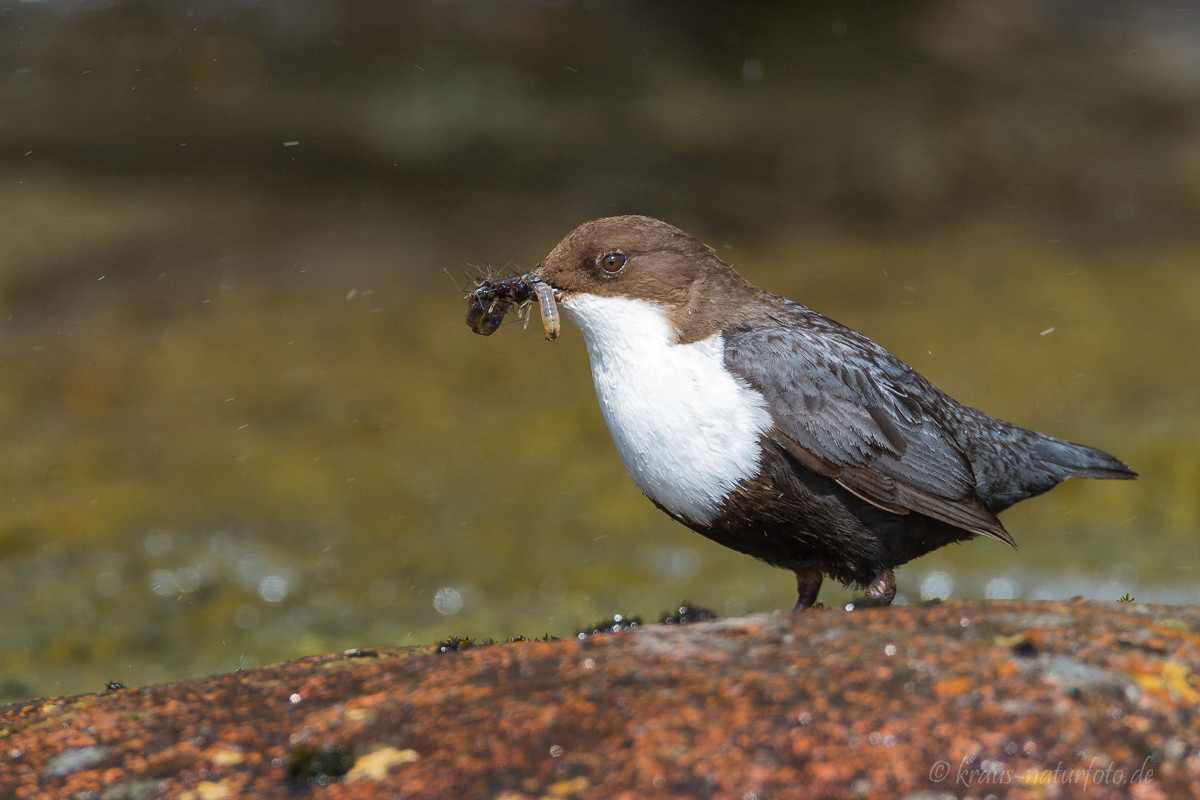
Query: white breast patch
<point x="686" y="429"/>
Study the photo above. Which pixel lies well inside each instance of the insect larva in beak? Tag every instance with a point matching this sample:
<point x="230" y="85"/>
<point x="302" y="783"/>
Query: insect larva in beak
<point x="549" y="310"/>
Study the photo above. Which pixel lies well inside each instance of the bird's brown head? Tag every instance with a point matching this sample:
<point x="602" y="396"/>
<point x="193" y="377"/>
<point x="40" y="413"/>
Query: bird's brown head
<point x="647" y="259"/>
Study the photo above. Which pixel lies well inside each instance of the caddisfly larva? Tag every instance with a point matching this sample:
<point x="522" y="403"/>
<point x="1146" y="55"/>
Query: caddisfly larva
<point x="485" y="313"/>
<point x="475" y="313"/>
<point x="549" y="310"/>
<point x="493" y="316"/>
<point x="487" y="305"/>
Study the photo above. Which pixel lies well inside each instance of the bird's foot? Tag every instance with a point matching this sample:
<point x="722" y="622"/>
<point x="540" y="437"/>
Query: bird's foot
<point x="808" y="585"/>
<point x="883" y="589"/>
<point x="880" y="592"/>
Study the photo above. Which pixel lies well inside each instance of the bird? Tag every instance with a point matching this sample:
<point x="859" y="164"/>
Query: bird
<point x="773" y="430"/>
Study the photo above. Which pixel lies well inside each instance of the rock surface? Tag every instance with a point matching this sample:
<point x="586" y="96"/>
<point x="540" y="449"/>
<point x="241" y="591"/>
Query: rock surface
<point x="1036" y="700"/>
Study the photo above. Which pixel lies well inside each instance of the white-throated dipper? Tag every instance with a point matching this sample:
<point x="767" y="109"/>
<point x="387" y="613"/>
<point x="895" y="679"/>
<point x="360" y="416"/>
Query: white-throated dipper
<point x="773" y="430"/>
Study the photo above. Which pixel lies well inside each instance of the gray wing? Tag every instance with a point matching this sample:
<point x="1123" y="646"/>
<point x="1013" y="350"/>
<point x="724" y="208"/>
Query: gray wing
<point x="846" y="408"/>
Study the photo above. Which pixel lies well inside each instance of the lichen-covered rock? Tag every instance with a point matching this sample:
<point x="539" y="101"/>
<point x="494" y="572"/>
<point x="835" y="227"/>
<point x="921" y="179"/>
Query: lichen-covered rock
<point x="1036" y="700"/>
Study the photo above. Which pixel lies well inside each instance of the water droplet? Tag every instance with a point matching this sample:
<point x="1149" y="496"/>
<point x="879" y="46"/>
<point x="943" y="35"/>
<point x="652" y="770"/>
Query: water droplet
<point x="162" y="581"/>
<point x="937" y="586"/>
<point x="447" y="601"/>
<point x="246" y="617"/>
<point x="1002" y="588"/>
<point x="273" y="588"/>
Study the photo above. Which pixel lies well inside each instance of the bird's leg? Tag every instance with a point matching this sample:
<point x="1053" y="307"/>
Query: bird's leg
<point x="882" y="590"/>
<point x="808" y="584"/>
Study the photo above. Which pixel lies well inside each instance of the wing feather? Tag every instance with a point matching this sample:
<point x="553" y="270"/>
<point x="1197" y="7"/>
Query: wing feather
<point x="846" y="408"/>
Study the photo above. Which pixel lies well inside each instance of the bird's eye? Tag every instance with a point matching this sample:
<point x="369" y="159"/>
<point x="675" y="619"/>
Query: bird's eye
<point x="613" y="262"/>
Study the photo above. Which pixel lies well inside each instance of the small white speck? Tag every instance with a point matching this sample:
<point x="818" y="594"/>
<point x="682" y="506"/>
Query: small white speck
<point x="295" y="698"/>
<point x="556" y="750"/>
<point x="1048" y="331"/>
<point x="293" y="143"/>
<point x="589" y="663"/>
<point x="889" y="650"/>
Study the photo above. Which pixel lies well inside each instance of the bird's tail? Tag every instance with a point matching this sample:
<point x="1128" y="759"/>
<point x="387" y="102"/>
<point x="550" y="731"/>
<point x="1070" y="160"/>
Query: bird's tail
<point x="1040" y="463"/>
<point x="1069" y="460"/>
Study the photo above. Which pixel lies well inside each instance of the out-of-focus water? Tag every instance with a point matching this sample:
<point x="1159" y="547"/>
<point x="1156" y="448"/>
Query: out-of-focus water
<point x="241" y="418"/>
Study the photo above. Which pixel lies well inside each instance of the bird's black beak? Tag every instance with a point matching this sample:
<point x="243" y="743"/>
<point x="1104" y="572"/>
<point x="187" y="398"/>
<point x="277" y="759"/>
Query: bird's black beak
<point x="537" y="274"/>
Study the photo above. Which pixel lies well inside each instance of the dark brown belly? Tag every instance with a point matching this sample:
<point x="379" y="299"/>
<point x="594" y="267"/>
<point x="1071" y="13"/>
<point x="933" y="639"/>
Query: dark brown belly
<point x="791" y="517"/>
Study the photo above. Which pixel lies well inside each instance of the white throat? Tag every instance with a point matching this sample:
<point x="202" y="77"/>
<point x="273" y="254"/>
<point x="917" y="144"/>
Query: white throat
<point x="687" y="429"/>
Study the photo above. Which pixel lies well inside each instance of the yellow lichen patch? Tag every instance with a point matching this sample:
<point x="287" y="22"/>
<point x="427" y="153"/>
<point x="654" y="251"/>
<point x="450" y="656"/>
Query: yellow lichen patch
<point x="358" y="715"/>
<point x="227" y="758"/>
<point x="374" y="766"/>
<point x="206" y="790"/>
<point x="1175" y="680"/>
<point x="568" y="788"/>
<point x="1035" y="777"/>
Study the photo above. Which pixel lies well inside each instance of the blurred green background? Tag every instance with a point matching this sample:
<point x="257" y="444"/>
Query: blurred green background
<point x="241" y="418"/>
